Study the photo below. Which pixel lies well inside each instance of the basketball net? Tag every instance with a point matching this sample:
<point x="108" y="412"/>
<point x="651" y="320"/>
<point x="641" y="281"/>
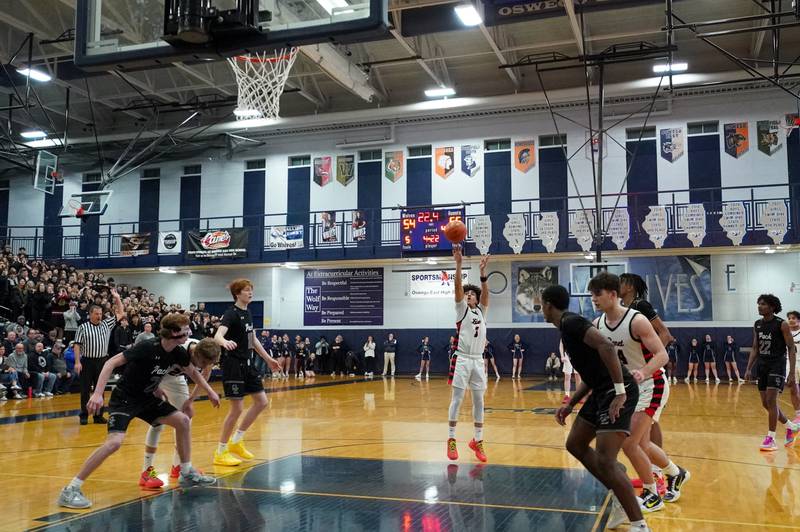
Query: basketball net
<point x="261" y="78"/>
<point x="77" y="209"/>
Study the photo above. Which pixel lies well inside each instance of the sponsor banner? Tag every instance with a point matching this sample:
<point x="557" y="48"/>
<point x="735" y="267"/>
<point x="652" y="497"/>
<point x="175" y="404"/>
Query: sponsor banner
<point x="445" y="161"/>
<point x="217" y="244"/>
<point x="359" y="226"/>
<point x="344" y="296"/>
<point x="345" y="169"/>
<point x="672" y="144"/>
<point x="508" y="11"/>
<point x="134" y="245"/>
<point x="282" y="237"/>
<point x="330" y="231"/>
<point x="524" y="155"/>
<point x="470" y="159"/>
<point x="170" y="243"/>
<point x="427" y="284"/>
<point x="737" y="139"/>
<point x="393" y="165"/>
<point x="768" y="139"/>
<point x="322" y="170"/>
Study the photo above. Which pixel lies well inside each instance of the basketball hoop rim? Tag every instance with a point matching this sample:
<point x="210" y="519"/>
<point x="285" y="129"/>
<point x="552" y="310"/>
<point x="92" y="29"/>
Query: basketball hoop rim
<point x="265" y="59"/>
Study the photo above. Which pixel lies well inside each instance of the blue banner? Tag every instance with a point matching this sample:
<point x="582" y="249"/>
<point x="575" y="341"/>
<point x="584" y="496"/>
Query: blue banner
<point x="344" y="296"/>
<point x="506" y="11"/>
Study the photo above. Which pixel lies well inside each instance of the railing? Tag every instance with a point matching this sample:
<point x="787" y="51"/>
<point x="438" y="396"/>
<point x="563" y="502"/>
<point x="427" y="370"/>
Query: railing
<point x="74" y="238"/>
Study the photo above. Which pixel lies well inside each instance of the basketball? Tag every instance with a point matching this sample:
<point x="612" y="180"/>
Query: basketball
<point x="455" y="231"/>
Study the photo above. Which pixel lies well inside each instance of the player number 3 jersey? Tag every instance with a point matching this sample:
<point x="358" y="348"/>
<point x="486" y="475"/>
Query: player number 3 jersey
<point x="471" y="327"/>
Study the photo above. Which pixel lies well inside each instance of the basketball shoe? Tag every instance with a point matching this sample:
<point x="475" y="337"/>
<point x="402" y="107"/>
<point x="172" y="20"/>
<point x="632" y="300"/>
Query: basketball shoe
<point x="240" y="450"/>
<point x="149" y="479"/>
<point x="651" y="502"/>
<point x="769" y="444"/>
<point x="452" y="450"/>
<point x="477" y="446"/>
<point x="675" y="483"/>
<point x="225" y="459"/>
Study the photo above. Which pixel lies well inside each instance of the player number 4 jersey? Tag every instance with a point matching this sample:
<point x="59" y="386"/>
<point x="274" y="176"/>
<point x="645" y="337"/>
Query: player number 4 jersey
<point x="630" y="350"/>
<point x="471" y="327"/>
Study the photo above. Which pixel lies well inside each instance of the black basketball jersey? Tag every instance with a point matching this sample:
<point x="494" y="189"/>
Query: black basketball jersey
<point x="585" y="359"/>
<point x="771" y="344"/>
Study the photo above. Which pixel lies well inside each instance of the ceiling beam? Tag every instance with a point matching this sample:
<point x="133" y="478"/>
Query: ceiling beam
<point x="493" y="45"/>
<point x="574" y="25"/>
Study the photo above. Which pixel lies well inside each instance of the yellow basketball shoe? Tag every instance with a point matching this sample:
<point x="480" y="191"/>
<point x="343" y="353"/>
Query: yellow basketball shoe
<point x="239" y="450"/>
<point x="225" y="459"/>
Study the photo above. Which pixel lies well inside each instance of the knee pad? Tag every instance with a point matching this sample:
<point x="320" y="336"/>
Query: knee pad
<point x="477" y="406"/>
<point x="153" y="435"/>
<point x="455" y="404"/>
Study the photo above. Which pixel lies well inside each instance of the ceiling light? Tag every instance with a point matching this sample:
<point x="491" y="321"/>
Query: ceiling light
<point x="34" y="74"/>
<point x="468" y="15"/>
<point x="440" y="92"/>
<point x="665" y="68"/>
<point x="43" y="143"/>
<point x="33" y="134"/>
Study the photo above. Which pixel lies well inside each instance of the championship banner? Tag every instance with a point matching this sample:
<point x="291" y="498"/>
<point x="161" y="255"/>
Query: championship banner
<point x="445" y="161"/>
<point x="322" y="170"/>
<point x="768" y="138"/>
<point x="170" y="243"/>
<point x="134" y="245"/>
<point x="359" y="226"/>
<point x="428" y="284"/>
<point x="672" y="144"/>
<point x="393" y="165"/>
<point x="217" y="244"/>
<point x="737" y="139"/>
<point x="282" y="237"/>
<point x="524" y="155"/>
<point x="345" y="169"/>
<point x="470" y="155"/>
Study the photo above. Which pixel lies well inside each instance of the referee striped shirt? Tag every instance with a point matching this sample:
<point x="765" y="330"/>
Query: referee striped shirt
<point x="93" y="339"/>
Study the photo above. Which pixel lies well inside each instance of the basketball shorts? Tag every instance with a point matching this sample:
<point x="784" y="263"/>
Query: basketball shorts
<point x="595" y="410"/>
<point x="729" y="356"/>
<point x="426" y="356"/>
<point x="567" y="367"/>
<point x="240" y="378"/>
<point x="772" y="374"/>
<point x="176" y="389"/>
<point x="517" y="355"/>
<point x="122" y="408"/>
<point x="468" y="372"/>
<point x="653" y="396"/>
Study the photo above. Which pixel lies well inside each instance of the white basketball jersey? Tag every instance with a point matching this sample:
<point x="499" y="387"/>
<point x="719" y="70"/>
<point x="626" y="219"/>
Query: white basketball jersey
<point x="796" y="338"/>
<point x="175" y="374"/>
<point x="471" y="327"/>
<point x="630" y="350"/>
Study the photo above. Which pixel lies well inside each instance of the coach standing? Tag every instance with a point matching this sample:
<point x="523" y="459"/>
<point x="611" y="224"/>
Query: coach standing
<point x="91" y="351"/>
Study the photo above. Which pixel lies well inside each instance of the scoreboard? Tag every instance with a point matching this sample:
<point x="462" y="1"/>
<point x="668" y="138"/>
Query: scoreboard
<point x="423" y="229"/>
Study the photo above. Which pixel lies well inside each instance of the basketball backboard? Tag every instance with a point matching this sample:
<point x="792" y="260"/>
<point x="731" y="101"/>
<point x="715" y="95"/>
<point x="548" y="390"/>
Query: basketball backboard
<point x="82" y="204"/>
<point x="46" y="172"/>
<point x="130" y="35"/>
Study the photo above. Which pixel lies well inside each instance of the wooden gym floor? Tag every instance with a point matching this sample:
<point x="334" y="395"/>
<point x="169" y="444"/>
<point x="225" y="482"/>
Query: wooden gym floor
<point x="349" y="454"/>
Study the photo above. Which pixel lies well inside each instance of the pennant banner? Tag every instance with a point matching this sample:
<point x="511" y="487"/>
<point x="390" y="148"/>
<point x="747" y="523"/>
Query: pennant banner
<point x="393" y="165"/>
<point x="672" y="144"/>
<point x="737" y="139"/>
<point x="524" y="155"/>
<point x="322" y="170"/>
<point x="345" y="169"/>
<point x="445" y="161"/>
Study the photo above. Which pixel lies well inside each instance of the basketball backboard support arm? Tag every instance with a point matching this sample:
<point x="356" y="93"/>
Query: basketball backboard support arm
<point x="366" y="21"/>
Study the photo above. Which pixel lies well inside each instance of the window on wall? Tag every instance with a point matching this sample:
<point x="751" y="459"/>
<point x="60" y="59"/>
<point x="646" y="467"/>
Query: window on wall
<point x="151" y="173"/>
<point x="497" y="145"/>
<point x="299" y="160"/>
<point x="702" y="128"/>
<point x="256" y="164"/>
<point x="546" y="141"/>
<point x="370" y="155"/>
<point x="420" y="151"/>
<point x="634" y="133"/>
<point x="194" y="169"/>
<point x="92" y="178"/>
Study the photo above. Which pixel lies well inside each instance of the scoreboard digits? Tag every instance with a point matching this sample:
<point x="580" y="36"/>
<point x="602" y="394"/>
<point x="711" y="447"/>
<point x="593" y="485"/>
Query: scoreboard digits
<point x="423" y="229"/>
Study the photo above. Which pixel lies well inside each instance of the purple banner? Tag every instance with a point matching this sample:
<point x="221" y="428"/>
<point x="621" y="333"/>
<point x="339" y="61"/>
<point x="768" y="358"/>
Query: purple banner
<point x="344" y="296"/>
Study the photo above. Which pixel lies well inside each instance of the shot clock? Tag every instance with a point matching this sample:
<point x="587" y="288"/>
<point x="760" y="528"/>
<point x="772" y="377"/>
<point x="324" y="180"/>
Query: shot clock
<point x="423" y="229"/>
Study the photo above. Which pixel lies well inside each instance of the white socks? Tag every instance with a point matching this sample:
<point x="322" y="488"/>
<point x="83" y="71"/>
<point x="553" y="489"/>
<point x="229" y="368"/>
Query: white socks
<point x="75" y="483"/>
<point x="148" y="459"/>
<point x="651" y="487"/>
<point x="237" y="436"/>
<point x="451" y="432"/>
<point x="185" y="468"/>
<point x="771" y="434"/>
<point x="478" y="433"/>
<point x="176" y="459"/>
<point x="671" y="469"/>
<point x="222" y="448"/>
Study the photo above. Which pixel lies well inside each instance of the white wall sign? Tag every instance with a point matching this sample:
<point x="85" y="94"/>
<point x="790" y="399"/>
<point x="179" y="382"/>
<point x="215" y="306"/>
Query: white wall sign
<point x="733" y="221"/>
<point x="170" y="243"/>
<point x="481" y="233"/>
<point x="583" y="228"/>
<point x="619" y="228"/>
<point x="775" y="220"/>
<point x="432" y="283"/>
<point x="655" y="224"/>
<point x="693" y="221"/>
<point x="514" y="231"/>
<point x="547" y="230"/>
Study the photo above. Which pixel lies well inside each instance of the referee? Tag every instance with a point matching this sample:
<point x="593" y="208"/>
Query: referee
<point x="91" y="352"/>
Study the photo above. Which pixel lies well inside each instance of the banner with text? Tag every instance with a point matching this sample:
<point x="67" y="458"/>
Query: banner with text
<point x="282" y="237"/>
<point x="433" y="283"/>
<point x="343" y="296"/>
<point x="134" y="245"/>
<point x="217" y="244"/>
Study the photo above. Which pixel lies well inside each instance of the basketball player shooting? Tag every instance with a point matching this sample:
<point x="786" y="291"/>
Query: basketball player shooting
<point x="466" y="366"/>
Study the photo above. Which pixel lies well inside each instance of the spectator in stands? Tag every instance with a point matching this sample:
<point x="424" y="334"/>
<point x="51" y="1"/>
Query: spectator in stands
<point x="10" y="342"/>
<point x="389" y="351"/>
<point x="71" y="321"/>
<point x="50" y="339"/>
<point x="41" y="361"/>
<point x="18" y="360"/>
<point x="146" y="334"/>
<point x="338" y="353"/>
<point x="552" y="367"/>
<point x="369" y="356"/>
<point x="8" y="377"/>
<point x="64" y="375"/>
<point x="198" y="332"/>
<point x="122" y="336"/>
<point x="19" y="327"/>
<point x="30" y="341"/>
<point x="322" y="349"/>
<point x="137" y="326"/>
